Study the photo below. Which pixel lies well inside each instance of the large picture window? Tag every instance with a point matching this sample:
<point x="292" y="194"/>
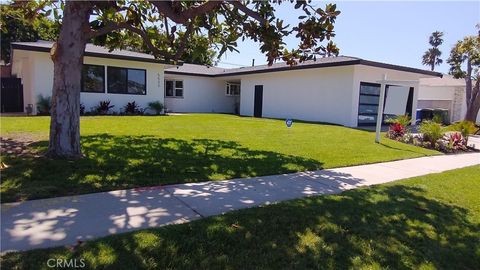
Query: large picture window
<point x="93" y="79"/>
<point x="127" y="81"/>
<point x="173" y="88"/>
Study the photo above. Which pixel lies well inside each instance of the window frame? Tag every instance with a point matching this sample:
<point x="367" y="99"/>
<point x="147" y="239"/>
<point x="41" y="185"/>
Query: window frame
<point x="175" y="88"/>
<point x="367" y="104"/>
<point x="126" y="81"/>
<point x="82" y="84"/>
<point x="228" y="91"/>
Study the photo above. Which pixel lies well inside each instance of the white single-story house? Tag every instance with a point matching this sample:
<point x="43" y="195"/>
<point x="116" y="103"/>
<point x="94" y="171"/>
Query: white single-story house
<point x="341" y="90"/>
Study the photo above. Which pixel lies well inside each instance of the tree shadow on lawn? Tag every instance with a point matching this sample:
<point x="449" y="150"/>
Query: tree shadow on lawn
<point x="116" y="162"/>
<point x="393" y="227"/>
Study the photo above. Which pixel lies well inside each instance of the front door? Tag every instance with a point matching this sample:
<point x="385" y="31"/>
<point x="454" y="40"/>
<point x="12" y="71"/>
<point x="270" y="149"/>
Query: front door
<point x="258" y="102"/>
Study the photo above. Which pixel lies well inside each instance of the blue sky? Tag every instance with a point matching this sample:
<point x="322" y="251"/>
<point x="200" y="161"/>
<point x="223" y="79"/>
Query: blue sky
<point x="392" y="32"/>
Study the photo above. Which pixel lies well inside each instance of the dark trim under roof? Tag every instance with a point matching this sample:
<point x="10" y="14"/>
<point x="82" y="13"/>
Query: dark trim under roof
<point x="400" y="68"/>
<point x="92" y="54"/>
<point x="310" y="66"/>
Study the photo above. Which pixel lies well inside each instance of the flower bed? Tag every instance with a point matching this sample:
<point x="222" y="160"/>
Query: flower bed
<point x="432" y="135"/>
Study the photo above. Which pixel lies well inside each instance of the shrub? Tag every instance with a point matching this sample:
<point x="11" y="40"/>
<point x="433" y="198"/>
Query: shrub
<point x="396" y="130"/>
<point x="452" y="142"/>
<point x="456" y="140"/>
<point x="437" y="118"/>
<point x="156" y="106"/>
<point x="464" y="127"/>
<point x="103" y="107"/>
<point x="44" y="104"/>
<point x="132" y="108"/>
<point x="403" y="120"/>
<point x="431" y="131"/>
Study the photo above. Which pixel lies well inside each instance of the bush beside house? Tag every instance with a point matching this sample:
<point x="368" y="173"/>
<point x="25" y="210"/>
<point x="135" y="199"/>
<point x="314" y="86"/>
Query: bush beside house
<point x="105" y="107"/>
<point x="447" y="139"/>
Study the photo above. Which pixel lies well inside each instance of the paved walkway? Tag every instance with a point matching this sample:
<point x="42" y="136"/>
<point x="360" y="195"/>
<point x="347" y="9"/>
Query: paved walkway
<point x="64" y="220"/>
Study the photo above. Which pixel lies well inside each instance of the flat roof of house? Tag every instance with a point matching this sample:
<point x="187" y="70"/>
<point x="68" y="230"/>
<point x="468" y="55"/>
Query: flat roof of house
<point x="91" y="50"/>
<point x="200" y="70"/>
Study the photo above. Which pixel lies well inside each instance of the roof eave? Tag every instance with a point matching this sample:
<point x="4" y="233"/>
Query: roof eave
<point x="312" y="66"/>
<point x="287" y="68"/>
<point x="400" y="68"/>
<point x="99" y="55"/>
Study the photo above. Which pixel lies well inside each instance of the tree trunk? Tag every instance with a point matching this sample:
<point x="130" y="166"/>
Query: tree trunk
<point x="67" y="55"/>
<point x="472" y="110"/>
<point x="472" y="93"/>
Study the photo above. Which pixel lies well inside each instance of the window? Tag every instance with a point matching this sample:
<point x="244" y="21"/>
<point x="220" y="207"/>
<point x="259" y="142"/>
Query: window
<point x="93" y="78"/>
<point x="233" y="89"/>
<point x="368" y="103"/>
<point x="173" y="88"/>
<point x="127" y="81"/>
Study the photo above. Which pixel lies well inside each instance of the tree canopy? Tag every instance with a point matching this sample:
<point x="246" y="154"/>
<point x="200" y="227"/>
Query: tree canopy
<point x="464" y="63"/>
<point x="16" y="27"/>
<point x="198" y="49"/>
<point x="432" y="56"/>
<point x="167" y="27"/>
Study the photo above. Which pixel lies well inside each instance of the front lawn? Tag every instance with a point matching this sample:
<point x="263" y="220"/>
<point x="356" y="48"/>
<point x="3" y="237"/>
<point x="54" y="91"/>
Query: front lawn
<point x="428" y="222"/>
<point x="124" y="152"/>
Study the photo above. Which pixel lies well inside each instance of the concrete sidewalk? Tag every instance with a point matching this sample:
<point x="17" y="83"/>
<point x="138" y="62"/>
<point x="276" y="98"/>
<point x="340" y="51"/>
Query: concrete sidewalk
<point x="64" y="220"/>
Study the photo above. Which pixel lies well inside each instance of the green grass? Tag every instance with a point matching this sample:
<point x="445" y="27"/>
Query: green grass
<point x="124" y="152"/>
<point x="428" y="222"/>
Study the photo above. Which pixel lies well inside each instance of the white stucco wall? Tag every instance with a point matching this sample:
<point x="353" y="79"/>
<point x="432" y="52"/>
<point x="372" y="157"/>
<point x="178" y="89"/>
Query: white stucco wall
<point x="201" y="94"/>
<point x="37" y="79"/>
<point x="322" y="95"/>
<point x="436" y="92"/>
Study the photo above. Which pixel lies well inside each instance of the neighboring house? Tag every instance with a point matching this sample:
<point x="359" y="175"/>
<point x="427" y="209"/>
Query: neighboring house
<point x="445" y="93"/>
<point x="340" y="90"/>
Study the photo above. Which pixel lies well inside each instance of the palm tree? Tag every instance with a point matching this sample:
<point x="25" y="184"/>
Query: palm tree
<point x="432" y="56"/>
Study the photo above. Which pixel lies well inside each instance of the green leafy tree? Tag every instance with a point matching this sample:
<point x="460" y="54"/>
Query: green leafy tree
<point x="222" y="22"/>
<point x="198" y="50"/>
<point x="16" y="27"/>
<point x="432" y="56"/>
<point x="464" y="63"/>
